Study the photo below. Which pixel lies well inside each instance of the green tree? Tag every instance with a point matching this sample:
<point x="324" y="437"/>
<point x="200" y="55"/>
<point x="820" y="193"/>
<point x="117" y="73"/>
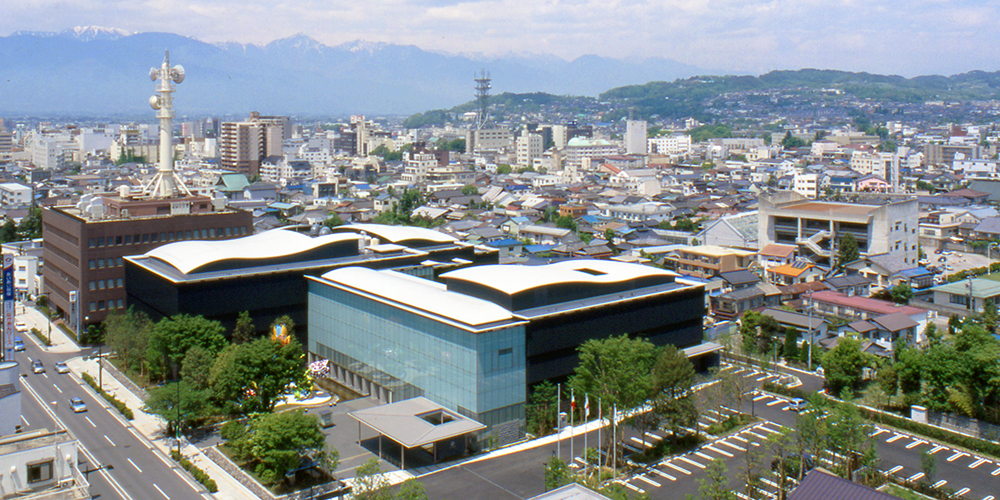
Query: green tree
<point x="848" y="250"/>
<point x="928" y="464"/>
<point x="370" y="483"/>
<point x="333" y="220"/>
<point x="901" y="293"/>
<point x="566" y="222"/>
<point x="843" y="365"/>
<point x="791" y="350"/>
<point x="129" y="334"/>
<point x="172" y="338"/>
<point x="275" y="443"/>
<point x="790" y="141"/>
<point x="244" y="330"/>
<point x="503" y="169"/>
<point x="671" y="380"/>
<point x="411" y="489"/>
<point x="469" y="190"/>
<point x="249" y="378"/>
<point x="31" y="225"/>
<point x="179" y="401"/>
<point x="541" y="408"/>
<point x="8" y="232"/>
<point x="197" y="367"/>
<point x="609" y="234"/>
<point x="715" y="485"/>
<point x="758" y="331"/>
<point x="556" y="473"/>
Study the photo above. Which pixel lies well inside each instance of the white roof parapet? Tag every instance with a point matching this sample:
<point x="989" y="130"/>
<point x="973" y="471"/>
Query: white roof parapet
<point x="188" y="256"/>
<point x="397" y="233"/>
<point x="512" y="279"/>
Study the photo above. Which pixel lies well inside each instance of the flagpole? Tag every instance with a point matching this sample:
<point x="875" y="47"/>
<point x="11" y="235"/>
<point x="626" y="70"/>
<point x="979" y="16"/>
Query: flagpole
<point x="614" y="444"/>
<point x="558" y="427"/>
<point x="586" y="416"/>
<point x="600" y="418"/>
<point x="572" y="411"/>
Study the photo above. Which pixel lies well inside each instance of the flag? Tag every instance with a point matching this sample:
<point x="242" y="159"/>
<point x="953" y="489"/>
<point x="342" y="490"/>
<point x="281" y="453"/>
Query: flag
<point x="586" y="406"/>
<point x="572" y="401"/>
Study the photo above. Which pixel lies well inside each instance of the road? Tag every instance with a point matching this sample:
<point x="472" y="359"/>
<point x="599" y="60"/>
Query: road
<point x="139" y="473"/>
<point x="521" y="475"/>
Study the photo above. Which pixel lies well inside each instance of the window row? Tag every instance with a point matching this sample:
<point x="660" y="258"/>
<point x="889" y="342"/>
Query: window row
<point x="103" y="263"/>
<point x="110" y="282"/>
<point x="101" y="305"/>
<point x="195" y="234"/>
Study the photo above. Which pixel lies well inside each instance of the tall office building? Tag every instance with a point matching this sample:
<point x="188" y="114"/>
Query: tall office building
<point x="242" y="145"/>
<point x="635" y="137"/>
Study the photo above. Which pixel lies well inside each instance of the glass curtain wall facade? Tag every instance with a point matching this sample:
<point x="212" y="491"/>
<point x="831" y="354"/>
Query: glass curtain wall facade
<point x="479" y="374"/>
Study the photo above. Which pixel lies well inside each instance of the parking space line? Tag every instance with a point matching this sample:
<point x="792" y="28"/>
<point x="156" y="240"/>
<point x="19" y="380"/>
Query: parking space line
<point x="733" y="446"/>
<point x="915" y="476"/>
<point x="776" y="402"/>
<point x="762" y="396"/>
<point x="634" y="488"/>
<point x="26" y="424"/>
<point x="961" y="492"/>
<point x="991" y="497"/>
<point x="937" y="449"/>
<point x="895" y="469"/>
<point x="939" y="483"/>
<point x="710" y="419"/>
<point x="916" y="443"/>
<point x="995" y="472"/>
<point x="895" y="438"/>
<point x="768" y="429"/>
<point x="977" y="463"/>
<point x="706" y="457"/>
<point x="876" y="433"/>
<point x="637" y="440"/>
<point x="703" y="425"/>
<point x="648" y="481"/>
<point x="739" y="438"/>
<point x="762" y="438"/>
<point x="720" y="452"/>
<point x="662" y="474"/>
<point x="654" y="436"/>
<point x="957" y="455"/>
<point x="692" y="462"/>
<point x="677" y="468"/>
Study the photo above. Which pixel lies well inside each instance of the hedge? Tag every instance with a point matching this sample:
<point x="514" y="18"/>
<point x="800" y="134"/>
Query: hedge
<point x="119" y="405"/>
<point x="930" y="431"/>
<point x="198" y="474"/>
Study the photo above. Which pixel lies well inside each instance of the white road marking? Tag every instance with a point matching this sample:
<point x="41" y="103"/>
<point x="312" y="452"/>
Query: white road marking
<point x="692" y="462"/>
<point x="762" y="438"/>
<point x="134" y="465"/>
<point x="91" y="422"/>
<point x="26" y="424"/>
<point x="765" y="377"/>
<point x="762" y="396"/>
<point x="977" y="463"/>
<point x="648" y="481"/>
<point x="733" y="446"/>
<point x="995" y="472"/>
<point x="768" y="430"/>
<point x="109" y="440"/>
<point x="57" y="388"/>
<point x="916" y="443"/>
<point x="876" y="433"/>
<point x="706" y="457"/>
<point x="663" y="474"/>
<point x="681" y="469"/>
<point x="936" y="449"/>
<point x="161" y="491"/>
<point x="637" y="440"/>
<point x="957" y="455"/>
<point x="739" y="438"/>
<point x="629" y="486"/>
<point x="895" y="469"/>
<point x="776" y="402"/>
<point x="961" y="492"/>
<point x="939" y="484"/>
<point x="895" y="438"/>
<point x="726" y="453"/>
<point x="915" y="476"/>
<point x="991" y="497"/>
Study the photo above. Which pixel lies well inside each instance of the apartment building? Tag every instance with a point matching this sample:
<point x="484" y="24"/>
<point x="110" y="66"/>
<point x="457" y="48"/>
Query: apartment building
<point x="708" y="261"/>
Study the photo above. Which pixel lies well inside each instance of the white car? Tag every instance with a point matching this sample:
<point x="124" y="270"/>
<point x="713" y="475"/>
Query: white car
<point x="77" y="405"/>
<point x="61" y="367"/>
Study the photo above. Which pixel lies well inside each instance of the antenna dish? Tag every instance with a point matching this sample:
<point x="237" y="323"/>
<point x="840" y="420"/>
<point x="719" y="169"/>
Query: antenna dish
<point x="153" y="73"/>
<point x="154" y="102"/>
<point x="177" y="74"/>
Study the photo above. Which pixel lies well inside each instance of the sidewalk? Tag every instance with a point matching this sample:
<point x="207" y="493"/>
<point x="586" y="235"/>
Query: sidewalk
<point x="151" y="427"/>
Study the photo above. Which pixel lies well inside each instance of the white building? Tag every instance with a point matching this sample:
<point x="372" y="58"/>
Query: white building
<point x="416" y="166"/>
<point x="529" y="147"/>
<point x="13" y="194"/>
<point x="50" y="151"/>
<point x="26" y="275"/>
<point x="635" y="137"/>
<point x="674" y="144"/>
<point x="579" y="148"/>
<point x="884" y="165"/>
<point x="38" y="464"/>
<point x="806" y="184"/>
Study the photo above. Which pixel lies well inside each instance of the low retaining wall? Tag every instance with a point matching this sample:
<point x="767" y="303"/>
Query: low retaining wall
<point x="112" y="370"/>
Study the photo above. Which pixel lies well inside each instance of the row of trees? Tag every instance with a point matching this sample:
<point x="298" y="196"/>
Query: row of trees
<point x="30" y="227"/>
<point x="210" y="375"/>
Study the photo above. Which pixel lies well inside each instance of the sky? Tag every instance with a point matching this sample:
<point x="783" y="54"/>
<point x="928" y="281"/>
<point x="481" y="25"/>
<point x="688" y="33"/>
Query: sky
<point x="909" y="38"/>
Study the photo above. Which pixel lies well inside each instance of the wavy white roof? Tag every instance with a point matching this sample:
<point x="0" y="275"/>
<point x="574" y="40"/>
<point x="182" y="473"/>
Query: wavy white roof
<point x="187" y="256"/>
<point x="421" y="294"/>
<point x="512" y="279"/>
<point x="397" y="233"/>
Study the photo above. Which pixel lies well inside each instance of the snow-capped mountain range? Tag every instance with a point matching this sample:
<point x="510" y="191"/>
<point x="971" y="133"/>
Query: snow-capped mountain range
<point x="97" y="70"/>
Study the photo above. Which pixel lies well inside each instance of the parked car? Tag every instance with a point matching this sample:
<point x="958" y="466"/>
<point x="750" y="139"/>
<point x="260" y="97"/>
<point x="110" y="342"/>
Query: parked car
<point x="797" y="404"/>
<point x="21" y="326"/>
<point x="37" y="366"/>
<point x="18" y="344"/>
<point x="61" y="367"/>
<point x="77" y="405"/>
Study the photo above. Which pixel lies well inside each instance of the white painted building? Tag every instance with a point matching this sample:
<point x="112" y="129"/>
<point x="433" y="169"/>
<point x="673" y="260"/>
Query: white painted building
<point x="635" y="137"/>
<point x="806" y="184"/>
<point x="579" y="148"/>
<point x="674" y="144"/>
<point x="529" y="147"/>
<point x="13" y="194"/>
<point x="26" y="275"/>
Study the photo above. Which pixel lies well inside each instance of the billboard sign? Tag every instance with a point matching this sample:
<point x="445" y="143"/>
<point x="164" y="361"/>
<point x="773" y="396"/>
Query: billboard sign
<point x="8" y="302"/>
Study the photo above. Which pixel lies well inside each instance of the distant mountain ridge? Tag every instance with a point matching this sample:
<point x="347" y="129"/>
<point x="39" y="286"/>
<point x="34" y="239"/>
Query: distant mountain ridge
<point x="96" y="70"/>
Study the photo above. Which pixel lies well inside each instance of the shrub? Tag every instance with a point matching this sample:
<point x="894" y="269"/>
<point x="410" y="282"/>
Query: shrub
<point x="200" y="475"/>
<point x="119" y="405"/>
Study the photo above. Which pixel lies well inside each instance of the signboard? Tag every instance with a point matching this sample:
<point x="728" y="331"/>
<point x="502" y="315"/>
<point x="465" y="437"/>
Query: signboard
<point x="8" y="302"/>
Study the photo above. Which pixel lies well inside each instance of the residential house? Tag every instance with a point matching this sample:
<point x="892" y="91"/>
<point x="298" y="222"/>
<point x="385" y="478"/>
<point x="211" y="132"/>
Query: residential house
<point x="706" y="261"/>
<point x="850" y="285"/>
<point x="973" y="295"/>
<point x="884" y="330"/>
<point x="775" y="254"/>
<point x="732" y="305"/>
<point x="797" y="272"/>
<point x="865" y="308"/>
<point x="808" y="326"/>
<point x="738" y="231"/>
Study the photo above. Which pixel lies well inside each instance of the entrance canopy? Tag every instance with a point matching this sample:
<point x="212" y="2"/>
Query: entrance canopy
<point x="416" y="422"/>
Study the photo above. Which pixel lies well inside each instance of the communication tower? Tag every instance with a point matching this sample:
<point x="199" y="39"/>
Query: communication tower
<point x="165" y="183"/>
<point x="482" y="98"/>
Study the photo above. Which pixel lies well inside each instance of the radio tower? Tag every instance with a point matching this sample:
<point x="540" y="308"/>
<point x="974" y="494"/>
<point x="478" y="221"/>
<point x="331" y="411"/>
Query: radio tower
<point x="165" y="183"/>
<point x="482" y="98"/>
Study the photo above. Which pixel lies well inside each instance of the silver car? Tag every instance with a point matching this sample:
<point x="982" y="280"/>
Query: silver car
<point x="77" y="405"/>
<point x="61" y="367"/>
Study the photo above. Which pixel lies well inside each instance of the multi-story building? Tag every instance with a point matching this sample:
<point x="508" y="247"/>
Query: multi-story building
<point x="477" y="338"/>
<point x="806" y="184"/>
<point x="85" y="245"/>
<point x="579" y="148"/>
<point x="708" y="261"/>
<point x="816" y="226"/>
<point x="635" y="137"/>
<point x="674" y="144"/>
<point x="488" y="139"/>
<point x="884" y="165"/>
<point x="416" y="166"/>
<point x="51" y="151"/>
<point x="529" y="147"/>
<point x="241" y="147"/>
<point x="13" y="194"/>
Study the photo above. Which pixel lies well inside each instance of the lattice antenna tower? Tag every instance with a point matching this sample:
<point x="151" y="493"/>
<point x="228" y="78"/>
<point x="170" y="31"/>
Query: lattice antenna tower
<point x="482" y="98"/>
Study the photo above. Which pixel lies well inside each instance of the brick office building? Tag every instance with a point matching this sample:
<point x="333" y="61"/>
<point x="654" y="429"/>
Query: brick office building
<point x="84" y="245"/>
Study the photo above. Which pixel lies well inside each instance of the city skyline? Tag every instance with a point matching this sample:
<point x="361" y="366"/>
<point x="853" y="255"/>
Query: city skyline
<point x="925" y="37"/>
